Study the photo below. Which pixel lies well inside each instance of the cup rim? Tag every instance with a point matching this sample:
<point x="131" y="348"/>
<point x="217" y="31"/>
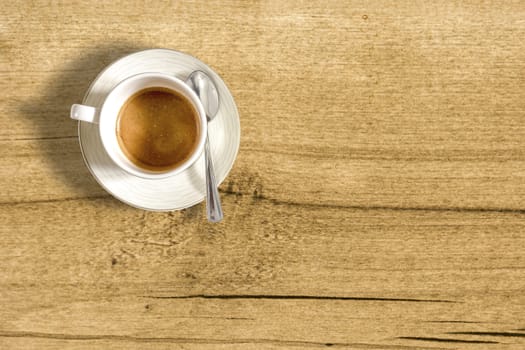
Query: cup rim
<point x="128" y="165"/>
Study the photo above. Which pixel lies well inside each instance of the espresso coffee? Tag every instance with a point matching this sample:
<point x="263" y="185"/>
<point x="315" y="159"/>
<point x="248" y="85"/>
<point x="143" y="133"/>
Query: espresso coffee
<point x="158" y="129"/>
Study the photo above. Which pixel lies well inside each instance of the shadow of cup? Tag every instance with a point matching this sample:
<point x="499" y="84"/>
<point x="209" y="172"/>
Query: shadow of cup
<point x="56" y="134"/>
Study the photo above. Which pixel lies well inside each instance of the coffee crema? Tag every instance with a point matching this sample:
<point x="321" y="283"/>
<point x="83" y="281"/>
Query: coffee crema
<point x="158" y="129"/>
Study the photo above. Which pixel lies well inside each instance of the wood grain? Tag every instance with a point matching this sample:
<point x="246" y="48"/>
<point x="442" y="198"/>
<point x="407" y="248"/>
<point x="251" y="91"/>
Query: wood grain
<point x="377" y="201"/>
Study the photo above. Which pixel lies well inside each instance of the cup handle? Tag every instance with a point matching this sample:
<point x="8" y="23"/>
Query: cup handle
<point x="84" y="113"/>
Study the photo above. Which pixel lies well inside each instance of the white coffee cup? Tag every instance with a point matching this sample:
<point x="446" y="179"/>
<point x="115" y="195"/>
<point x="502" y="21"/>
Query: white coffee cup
<point x="107" y="118"/>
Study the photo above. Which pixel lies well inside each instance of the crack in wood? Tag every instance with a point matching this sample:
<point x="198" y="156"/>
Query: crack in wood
<point x="304" y="205"/>
<point x="111" y="337"/>
<point x="453" y="322"/>
<point x="45" y="201"/>
<point x="378" y="207"/>
<point x="297" y="297"/>
<point x="449" y="340"/>
<point x="492" y="334"/>
<point x="44" y="138"/>
<point x="214" y="318"/>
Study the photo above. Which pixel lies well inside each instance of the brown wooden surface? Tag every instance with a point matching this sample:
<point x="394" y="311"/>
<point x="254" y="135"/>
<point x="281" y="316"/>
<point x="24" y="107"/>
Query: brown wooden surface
<point x="377" y="201"/>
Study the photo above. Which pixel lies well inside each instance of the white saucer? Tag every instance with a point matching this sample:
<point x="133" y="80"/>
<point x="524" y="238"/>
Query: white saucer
<point x="179" y="191"/>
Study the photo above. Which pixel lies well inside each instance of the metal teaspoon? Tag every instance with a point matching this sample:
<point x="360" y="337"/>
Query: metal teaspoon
<point x="205" y="88"/>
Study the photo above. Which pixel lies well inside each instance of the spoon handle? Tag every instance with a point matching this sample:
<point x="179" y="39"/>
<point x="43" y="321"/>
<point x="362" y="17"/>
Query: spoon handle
<point x="213" y="201"/>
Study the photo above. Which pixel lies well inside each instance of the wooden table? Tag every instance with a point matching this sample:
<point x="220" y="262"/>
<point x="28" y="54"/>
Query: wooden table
<point x="377" y="201"/>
